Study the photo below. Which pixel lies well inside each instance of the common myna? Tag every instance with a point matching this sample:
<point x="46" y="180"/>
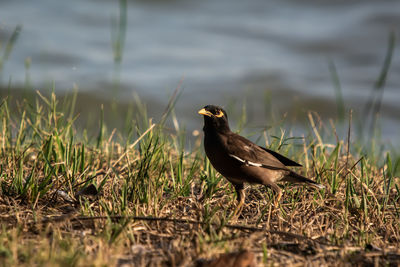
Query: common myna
<point x="242" y="161"/>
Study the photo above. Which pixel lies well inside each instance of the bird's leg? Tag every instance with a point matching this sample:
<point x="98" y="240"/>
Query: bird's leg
<point x="278" y="198"/>
<point x="240" y="198"/>
<point x="278" y="192"/>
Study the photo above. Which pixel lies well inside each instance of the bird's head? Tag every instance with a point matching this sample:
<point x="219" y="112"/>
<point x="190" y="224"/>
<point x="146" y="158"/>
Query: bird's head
<point x="215" y="118"/>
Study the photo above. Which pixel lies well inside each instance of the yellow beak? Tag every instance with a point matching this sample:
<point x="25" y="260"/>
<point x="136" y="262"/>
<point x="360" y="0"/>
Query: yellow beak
<point x="205" y="112"/>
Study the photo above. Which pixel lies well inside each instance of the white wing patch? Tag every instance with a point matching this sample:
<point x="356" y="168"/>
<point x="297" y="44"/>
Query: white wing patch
<point x="248" y="163"/>
<point x="236" y="157"/>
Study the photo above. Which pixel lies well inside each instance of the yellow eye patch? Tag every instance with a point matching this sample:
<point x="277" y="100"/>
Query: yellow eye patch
<point x="220" y="114"/>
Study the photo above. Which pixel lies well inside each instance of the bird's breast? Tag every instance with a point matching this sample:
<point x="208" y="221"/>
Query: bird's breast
<point x="215" y="148"/>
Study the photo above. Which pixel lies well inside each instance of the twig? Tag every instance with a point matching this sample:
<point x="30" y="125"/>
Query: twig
<point x="69" y="217"/>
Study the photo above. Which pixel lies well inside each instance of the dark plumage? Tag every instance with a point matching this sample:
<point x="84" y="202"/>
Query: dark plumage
<point x="239" y="160"/>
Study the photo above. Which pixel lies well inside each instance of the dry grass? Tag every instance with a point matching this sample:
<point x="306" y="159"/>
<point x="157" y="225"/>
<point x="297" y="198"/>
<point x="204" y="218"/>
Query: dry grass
<point x="157" y="204"/>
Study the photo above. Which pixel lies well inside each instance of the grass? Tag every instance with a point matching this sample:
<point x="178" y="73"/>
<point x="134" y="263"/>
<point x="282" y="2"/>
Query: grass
<point x="142" y="197"/>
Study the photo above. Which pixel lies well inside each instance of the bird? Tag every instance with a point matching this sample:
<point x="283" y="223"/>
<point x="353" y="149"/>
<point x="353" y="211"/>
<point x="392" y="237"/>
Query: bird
<point x="241" y="161"/>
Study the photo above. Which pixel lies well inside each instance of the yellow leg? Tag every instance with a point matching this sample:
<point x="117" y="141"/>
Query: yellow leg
<point x="240" y="198"/>
<point x="238" y="209"/>
<point x="278" y="198"/>
<point x="278" y="192"/>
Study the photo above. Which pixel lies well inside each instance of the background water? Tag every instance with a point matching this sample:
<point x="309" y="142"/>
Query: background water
<point x="220" y="51"/>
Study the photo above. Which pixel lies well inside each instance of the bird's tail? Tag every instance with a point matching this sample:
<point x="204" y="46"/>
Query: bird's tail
<point x="297" y="178"/>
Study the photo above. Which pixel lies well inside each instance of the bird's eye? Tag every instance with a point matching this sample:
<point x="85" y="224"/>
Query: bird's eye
<point x="219" y="114"/>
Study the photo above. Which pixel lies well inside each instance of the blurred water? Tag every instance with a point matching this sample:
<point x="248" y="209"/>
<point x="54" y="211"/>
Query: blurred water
<point x="221" y="49"/>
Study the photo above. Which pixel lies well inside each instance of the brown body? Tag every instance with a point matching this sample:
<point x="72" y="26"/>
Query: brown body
<point x="239" y="160"/>
<point x="234" y="170"/>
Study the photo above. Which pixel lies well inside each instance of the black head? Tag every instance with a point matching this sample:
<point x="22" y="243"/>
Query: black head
<point x="215" y="118"/>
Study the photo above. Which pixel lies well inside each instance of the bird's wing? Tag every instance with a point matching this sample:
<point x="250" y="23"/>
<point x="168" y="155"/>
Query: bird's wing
<point x="283" y="159"/>
<point x="251" y="154"/>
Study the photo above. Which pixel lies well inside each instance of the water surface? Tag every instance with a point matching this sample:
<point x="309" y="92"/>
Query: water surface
<point x="223" y="51"/>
